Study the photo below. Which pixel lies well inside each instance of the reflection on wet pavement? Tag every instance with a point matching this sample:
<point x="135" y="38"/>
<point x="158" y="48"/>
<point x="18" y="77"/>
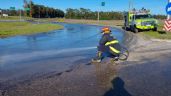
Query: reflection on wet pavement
<point x="57" y="64"/>
<point x="25" y="59"/>
<point x="49" y="49"/>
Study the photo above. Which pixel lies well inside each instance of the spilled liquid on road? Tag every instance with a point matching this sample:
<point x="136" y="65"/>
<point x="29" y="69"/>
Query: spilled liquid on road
<point x="48" y="52"/>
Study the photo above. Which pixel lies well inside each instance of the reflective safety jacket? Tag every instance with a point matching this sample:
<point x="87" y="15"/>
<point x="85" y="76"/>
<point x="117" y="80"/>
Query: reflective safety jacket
<point x="110" y="44"/>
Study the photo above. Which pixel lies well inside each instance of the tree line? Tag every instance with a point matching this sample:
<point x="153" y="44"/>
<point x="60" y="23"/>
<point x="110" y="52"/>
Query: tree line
<point x="35" y="11"/>
<point x="160" y="16"/>
<point x="41" y="11"/>
<point x="83" y="13"/>
<point x="11" y="12"/>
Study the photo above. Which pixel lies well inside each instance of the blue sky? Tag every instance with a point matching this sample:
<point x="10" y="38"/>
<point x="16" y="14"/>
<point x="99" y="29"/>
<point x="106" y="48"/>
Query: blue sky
<point x="156" y="6"/>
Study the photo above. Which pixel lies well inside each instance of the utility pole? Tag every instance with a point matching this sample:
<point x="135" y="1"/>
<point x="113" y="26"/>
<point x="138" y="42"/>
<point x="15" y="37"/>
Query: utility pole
<point x="39" y="15"/>
<point x="20" y="14"/>
<point x="0" y="13"/>
<point x="30" y="8"/>
<point x="130" y="4"/>
<point x="98" y="17"/>
<point x="47" y="13"/>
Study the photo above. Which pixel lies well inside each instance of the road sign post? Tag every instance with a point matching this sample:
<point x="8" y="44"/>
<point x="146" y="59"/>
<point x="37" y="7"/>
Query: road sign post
<point x="167" y="24"/>
<point x="98" y="15"/>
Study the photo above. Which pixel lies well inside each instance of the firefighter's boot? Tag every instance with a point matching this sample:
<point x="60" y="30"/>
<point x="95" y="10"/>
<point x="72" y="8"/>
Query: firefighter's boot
<point x="98" y="58"/>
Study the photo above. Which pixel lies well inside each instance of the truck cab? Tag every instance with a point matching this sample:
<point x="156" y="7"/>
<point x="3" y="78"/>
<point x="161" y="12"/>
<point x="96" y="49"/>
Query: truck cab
<point x="139" y="20"/>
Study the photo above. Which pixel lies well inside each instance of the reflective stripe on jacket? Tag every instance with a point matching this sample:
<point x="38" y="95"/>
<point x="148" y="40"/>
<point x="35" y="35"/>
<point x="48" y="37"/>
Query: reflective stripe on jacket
<point x="111" y="43"/>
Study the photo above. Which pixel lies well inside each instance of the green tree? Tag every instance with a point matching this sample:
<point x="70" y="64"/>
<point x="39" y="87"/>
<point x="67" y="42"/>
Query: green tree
<point x="40" y="11"/>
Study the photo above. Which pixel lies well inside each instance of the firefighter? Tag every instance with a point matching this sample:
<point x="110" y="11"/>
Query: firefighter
<point x="108" y="46"/>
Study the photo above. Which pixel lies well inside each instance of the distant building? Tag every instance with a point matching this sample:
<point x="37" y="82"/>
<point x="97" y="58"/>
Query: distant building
<point x="5" y="15"/>
<point x="0" y="12"/>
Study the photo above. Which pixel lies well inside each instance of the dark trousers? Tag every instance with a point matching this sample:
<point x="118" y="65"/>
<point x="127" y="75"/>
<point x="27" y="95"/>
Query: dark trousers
<point x="106" y="52"/>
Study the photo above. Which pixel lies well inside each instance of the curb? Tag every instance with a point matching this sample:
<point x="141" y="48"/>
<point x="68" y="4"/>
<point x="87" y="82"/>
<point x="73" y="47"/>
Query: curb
<point x="160" y="40"/>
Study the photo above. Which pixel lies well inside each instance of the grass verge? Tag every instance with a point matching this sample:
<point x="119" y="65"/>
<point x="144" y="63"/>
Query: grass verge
<point x="24" y="28"/>
<point x="160" y="34"/>
<point x="14" y="18"/>
<point x="113" y="23"/>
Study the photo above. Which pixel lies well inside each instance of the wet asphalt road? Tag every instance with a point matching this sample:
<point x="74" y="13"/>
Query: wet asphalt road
<point x="150" y="78"/>
<point x="146" y="73"/>
<point x="25" y="57"/>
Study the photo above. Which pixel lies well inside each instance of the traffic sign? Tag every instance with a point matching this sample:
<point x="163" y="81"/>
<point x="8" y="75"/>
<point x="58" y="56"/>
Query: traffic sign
<point x="103" y="4"/>
<point x="167" y="25"/>
<point x="168" y="9"/>
<point x="27" y="9"/>
<point x="12" y="8"/>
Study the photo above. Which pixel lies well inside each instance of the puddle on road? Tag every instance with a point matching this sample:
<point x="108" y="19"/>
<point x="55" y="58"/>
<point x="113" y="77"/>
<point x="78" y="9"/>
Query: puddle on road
<point x="48" y="52"/>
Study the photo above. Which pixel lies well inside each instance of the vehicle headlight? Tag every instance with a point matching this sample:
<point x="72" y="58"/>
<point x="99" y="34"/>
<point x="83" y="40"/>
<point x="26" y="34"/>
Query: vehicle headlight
<point x="138" y="23"/>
